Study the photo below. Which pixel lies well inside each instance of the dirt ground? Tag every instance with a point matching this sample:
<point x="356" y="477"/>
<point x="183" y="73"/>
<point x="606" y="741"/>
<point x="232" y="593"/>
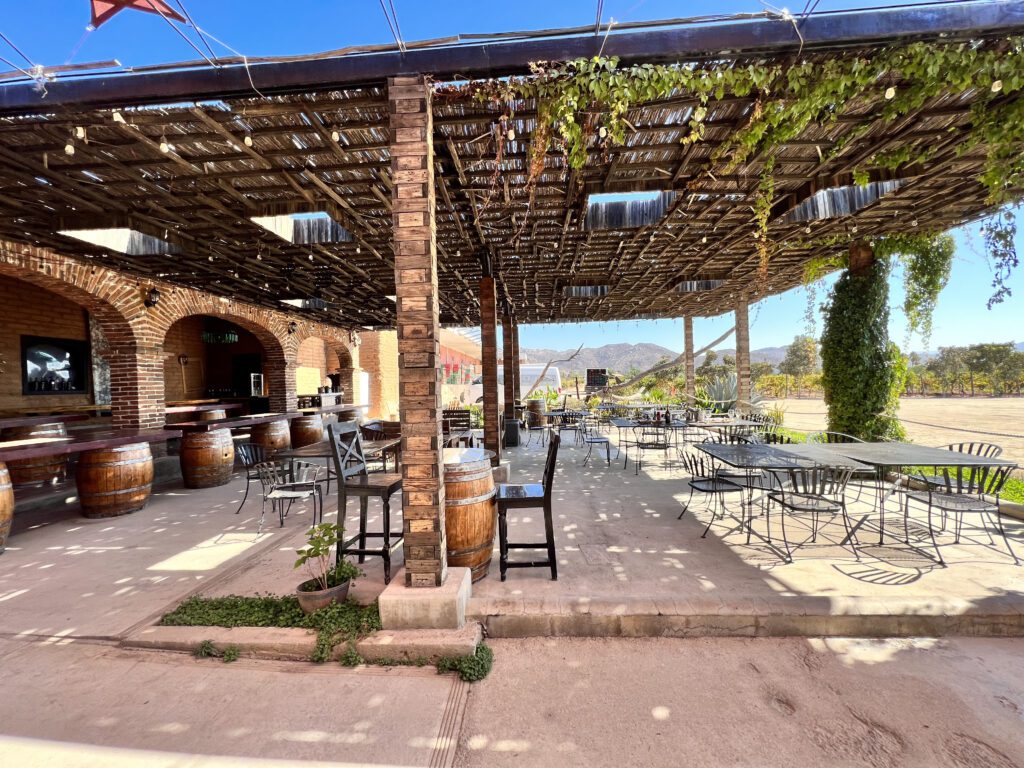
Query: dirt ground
<point x="936" y="421"/>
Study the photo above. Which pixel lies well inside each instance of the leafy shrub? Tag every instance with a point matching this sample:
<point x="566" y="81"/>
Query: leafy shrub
<point x="470" y="668"/>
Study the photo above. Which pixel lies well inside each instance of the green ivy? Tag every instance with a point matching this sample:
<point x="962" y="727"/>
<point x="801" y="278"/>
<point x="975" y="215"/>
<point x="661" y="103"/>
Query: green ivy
<point x="862" y="371"/>
<point x="470" y="668"/>
<point x="927" y="260"/>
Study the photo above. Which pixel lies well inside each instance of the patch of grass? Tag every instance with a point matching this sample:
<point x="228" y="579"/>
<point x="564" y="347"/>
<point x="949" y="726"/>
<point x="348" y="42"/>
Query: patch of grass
<point x="205" y="650"/>
<point x="470" y="668"/>
<point x="231" y="653"/>
<point x="338" y="623"/>
<point x="208" y="650"/>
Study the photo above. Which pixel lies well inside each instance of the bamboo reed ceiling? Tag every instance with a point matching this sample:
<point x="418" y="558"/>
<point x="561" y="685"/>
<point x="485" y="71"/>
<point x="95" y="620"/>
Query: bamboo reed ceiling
<point x="229" y="161"/>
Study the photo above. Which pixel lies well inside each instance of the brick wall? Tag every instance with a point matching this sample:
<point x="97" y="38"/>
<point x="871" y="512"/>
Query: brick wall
<point x="378" y="356"/>
<point x="27" y="310"/>
<point x="136" y="333"/>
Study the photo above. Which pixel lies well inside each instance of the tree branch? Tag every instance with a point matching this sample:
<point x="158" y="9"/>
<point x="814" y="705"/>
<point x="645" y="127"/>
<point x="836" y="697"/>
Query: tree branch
<point x="545" y="371"/>
<point x="681" y="360"/>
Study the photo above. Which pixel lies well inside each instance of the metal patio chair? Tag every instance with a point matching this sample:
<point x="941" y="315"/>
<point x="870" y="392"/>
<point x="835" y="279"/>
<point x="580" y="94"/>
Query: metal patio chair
<point x="285" y="482"/>
<point x="250" y="454"/>
<point x="964" y="490"/>
<point x="704" y="479"/>
<point x="816" y="491"/>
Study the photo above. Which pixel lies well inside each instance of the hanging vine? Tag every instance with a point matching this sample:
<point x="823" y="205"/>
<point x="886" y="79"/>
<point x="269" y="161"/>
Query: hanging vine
<point x="999" y="232"/>
<point x="927" y="260"/>
<point x="585" y="103"/>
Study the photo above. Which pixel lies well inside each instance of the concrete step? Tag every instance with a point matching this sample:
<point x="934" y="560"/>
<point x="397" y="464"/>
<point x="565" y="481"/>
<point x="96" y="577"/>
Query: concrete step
<point x="420" y="644"/>
<point x="782" y="617"/>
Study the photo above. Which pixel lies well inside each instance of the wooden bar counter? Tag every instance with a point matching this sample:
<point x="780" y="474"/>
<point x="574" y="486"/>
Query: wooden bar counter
<point x="205" y="411"/>
<point x="114" y="474"/>
<point x="44" y="470"/>
<point x="308" y="427"/>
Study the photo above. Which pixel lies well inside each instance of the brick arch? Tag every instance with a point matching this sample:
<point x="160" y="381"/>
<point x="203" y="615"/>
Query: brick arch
<point x="339" y="346"/>
<point x="87" y="287"/>
<point x="271" y="331"/>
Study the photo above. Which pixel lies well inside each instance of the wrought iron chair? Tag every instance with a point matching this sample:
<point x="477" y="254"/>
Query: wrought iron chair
<point x="529" y="496"/>
<point x="704" y="479"/>
<point x="592" y="436"/>
<point x="355" y="480"/>
<point x="814" y="490"/>
<point x="571" y="421"/>
<point x="985" y="450"/>
<point x="287" y="482"/>
<point x="832" y="437"/>
<point x="651" y="438"/>
<point x="250" y="454"/>
<point x="964" y="489"/>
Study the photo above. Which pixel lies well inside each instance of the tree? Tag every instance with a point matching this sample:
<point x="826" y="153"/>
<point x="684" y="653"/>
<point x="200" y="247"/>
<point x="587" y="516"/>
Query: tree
<point x="758" y="370"/>
<point x="949" y="366"/>
<point x="862" y="371"/>
<point x="801" y="357"/>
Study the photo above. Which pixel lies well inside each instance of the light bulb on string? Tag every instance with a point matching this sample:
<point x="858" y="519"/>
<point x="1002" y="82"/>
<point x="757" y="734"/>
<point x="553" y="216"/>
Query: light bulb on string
<point x="79" y="132"/>
<point x="69" y="148"/>
<point x="247" y="140"/>
<point x="335" y="137"/>
<point x="997" y="86"/>
<point x="164" y="146"/>
<point x="890" y="93"/>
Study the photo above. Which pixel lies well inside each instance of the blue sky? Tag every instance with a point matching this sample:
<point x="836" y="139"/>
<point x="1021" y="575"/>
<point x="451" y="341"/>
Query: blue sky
<point x="54" y="32"/>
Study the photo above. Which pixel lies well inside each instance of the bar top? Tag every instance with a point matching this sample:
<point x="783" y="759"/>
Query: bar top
<point x="234" y="422"/>
<point x="201" y="408"/>
<point x="77" y="442"/>
<point x="336" y="408"/>
<point x="28" y="421"/>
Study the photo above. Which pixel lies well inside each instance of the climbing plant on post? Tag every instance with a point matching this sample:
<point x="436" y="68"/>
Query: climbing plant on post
<point x="862" y="370"/>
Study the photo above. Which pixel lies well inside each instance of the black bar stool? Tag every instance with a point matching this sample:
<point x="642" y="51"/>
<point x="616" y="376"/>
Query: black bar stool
<point x="529" y="496"/>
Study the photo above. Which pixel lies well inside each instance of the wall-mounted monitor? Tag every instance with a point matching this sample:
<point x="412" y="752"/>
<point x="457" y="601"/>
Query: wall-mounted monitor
<point x="54" y="366"/>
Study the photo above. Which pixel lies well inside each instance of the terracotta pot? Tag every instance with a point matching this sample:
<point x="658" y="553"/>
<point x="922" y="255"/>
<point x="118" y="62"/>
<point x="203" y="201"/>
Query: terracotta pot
<point x="321" y="598"/>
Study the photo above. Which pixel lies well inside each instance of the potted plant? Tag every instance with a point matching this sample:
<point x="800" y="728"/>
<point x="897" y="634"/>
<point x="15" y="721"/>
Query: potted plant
<point x="327" y="583"/>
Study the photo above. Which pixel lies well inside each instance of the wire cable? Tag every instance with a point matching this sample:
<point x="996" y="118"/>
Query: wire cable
<point x="188" y="16"/>
<point x="394" y="13"/>
<point x="183" y="36"/>
<point x="391" y="26"/>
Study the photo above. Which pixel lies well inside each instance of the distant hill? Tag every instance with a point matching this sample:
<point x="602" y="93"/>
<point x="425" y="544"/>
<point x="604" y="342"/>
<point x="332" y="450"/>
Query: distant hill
<point x="621" y="357"/>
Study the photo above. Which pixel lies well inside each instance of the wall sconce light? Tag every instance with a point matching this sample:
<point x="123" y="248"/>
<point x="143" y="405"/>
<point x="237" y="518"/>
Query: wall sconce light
<point x="152" y="297"/>
<point x="292" y="327"/>
<point x="182" y="359"/>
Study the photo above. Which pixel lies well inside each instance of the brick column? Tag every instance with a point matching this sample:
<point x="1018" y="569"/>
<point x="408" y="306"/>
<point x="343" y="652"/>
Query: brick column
<point x="419" y="331"/>
<point x="691" y="376"/>
<point x="516" y="378"/>
<point x="489" y="353"/>
<point x="508" y="357"/>
<point x="742" y="356"/>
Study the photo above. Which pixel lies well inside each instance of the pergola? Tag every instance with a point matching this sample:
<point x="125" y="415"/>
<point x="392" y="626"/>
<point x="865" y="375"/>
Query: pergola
<point x="369" y="192"/>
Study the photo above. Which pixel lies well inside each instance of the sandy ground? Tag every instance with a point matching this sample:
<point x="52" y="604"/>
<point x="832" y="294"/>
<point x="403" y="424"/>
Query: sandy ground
<point x="738" y="702"/>
<point x="937" y="421"/>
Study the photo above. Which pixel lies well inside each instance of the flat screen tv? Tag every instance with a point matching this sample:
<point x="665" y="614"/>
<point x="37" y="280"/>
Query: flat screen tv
<point x="54" y="366"/>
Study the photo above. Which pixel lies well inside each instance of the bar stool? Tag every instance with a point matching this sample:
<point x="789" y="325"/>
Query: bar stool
<point x="353" y="479"/>
<point x="529" y="496"/>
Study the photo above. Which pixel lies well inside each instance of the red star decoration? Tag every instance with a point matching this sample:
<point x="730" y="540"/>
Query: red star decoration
<point x="104" y="10"/>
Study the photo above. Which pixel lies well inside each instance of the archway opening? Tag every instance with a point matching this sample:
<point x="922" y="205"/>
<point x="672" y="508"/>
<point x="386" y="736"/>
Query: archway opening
<point x="207" y="357"/>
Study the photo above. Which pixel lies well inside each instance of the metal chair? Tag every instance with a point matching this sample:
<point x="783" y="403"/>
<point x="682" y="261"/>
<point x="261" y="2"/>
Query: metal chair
<point x="985" y="450"/>
<point x="529" y="496"/>
<point x="964" y="489"/>
<point x="571" y="421"/>
<point x="287" y="482"/>
<point x="814" y="490"/>
<point x="355" y="480"/>
<point x="250" y="454"/>
<point x="704" y="479"/>
<point x="592" y="436"/>
<point x="832" y="437"/>
<point x="650" y="438"/>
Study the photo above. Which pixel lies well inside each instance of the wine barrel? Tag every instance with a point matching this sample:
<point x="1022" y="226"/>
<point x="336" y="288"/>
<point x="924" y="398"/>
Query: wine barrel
<point x="306" y="430"/>
<point x="207" y="458"/>
<point x="43" y="470"/>
<point x="469" y="515"/>
<point x="216" y="413"/>
<point x="6" y="505"/>
<point x="274" y="436"/>
<point x="535" y="413"/>
<point x="114" y="481"/>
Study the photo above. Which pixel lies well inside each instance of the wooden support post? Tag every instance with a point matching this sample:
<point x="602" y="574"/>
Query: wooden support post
<point x="742" y="356"/>
<point x="516" y="377"/>
<point x="419" y="331"/>
<point x="489" y="353"/>
<point x="691" y="376"/>
<point x="508" y="357"/>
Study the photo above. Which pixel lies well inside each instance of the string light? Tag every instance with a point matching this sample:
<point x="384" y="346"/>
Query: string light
<point x="511" y="135"/>
<point x="890" y="93"/>
<point x="247" y="140"/>
<point x="602" y="132"/>
<point x="69" y="148"/>
<point x="164" y="146"/>
<point x="997" y="86"/>
<point x="118" y="117"/>
<point x="79" y="132"/>
<point x="335" y="137"/>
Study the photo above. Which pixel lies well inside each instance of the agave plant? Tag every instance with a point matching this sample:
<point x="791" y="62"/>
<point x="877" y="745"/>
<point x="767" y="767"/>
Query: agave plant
<point x="722" y="394"/>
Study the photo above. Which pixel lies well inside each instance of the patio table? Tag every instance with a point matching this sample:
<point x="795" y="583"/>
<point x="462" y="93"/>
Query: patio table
<point x="885" y="456"/>
<point x="623" y="443"/>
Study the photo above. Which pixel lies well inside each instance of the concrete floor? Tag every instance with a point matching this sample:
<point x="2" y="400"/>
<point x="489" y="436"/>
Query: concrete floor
<point x="69" y="588"/>
<point x="739" y="702"/>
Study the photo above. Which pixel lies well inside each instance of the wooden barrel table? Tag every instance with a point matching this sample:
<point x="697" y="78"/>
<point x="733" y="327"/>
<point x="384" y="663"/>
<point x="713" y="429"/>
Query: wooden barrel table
<point x="307" y="430"/>
<point x="207" y="458"/>
<point x="535" y="413"/>
<point x="6" y="505"/>
<point x="46" y="470"/>
<point x="114" y="481"/>
<point x="274" y="436"/>
<point x="469" y="509"/>
<point x="216" y="413"/>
